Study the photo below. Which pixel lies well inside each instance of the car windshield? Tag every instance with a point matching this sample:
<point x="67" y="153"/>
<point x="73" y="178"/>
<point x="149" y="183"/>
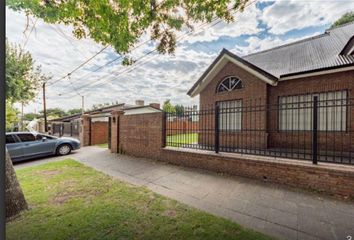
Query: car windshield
<point x="40" y="136"/>
<point x="50" y="137"/>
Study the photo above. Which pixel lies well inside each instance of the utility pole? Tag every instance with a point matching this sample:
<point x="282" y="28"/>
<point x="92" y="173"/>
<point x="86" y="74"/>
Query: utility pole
<point x="82" y="104"/>
<point x="44" y="110"/>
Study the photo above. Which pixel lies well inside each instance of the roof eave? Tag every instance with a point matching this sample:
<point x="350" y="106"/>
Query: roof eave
<point x="263" y="75"/>
<point x="316" y="72"/>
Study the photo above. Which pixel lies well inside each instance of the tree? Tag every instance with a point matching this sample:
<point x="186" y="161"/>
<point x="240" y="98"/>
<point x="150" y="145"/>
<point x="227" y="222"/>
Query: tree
<point x="179" y="110"/>
<point x="122" y="23"/>
<point x="100" y="105"/>
<point x="11" y="117"/>
<point x="168" y="107"/>
<point x="54" y="113"/>
<point x="74" y="111"/>
<point x="346" y="18"/>
<point x="31" y="116"/>
<point x="15" y="201"/>
<point x="22" y="80"/>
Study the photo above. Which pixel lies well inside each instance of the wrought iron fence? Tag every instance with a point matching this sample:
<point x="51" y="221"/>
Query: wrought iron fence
<point x="317" y="128"/>
<point x="66" y="129"/>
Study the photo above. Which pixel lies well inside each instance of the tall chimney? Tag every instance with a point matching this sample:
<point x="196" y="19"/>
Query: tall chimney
<point x="139" y="102"/>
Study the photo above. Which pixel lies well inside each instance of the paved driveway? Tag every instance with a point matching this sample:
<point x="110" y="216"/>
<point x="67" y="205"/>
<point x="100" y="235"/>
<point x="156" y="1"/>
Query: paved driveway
<point x="272" y="209"/>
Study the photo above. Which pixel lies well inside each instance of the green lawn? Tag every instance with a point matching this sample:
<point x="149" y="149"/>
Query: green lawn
<point x="180" y="139"/>
<point x="71" y="201"/>
<point x="103" y="145"/>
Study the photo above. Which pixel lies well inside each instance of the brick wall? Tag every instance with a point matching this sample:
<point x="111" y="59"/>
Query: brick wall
<point x="253" y="88"/>
<point x="99" y="132"/>
<point x="254" y="92"/>
<point x="330" y="82"/>
<point x="142" y="136"/>
<point x="326" y="178"/>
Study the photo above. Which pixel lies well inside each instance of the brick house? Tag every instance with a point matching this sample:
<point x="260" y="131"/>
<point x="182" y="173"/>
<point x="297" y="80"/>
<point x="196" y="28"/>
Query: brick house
<point x="288" y="75"/>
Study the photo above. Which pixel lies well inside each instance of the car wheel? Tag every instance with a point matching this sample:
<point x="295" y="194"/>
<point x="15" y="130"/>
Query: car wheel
<point x="64" y="149"/>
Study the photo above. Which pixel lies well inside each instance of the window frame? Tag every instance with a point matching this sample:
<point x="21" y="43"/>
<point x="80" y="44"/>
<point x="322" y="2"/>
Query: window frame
<point x="233" y="89"/>
<point x="311" y="101"/>
<point x="217" y="103"/>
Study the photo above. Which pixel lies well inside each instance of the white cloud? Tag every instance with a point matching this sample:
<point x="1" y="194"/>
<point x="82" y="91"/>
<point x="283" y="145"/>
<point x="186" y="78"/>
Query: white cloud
<point x="246" y="23"/>
<point x="256" y="44"/>
<point x="283" y="16"/>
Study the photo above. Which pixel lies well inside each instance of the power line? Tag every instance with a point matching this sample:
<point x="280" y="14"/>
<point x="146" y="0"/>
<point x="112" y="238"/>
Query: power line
<point x="110" y="62"/>
<point x="80" y="66"/>
<point x="67" y="38"/>
<point x="216" y="21"/>
<point x="92" y="57"/>
<point x="27" y="38"/>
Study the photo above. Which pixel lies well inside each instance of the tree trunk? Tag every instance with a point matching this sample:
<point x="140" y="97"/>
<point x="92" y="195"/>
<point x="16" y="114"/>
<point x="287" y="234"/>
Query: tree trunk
<point x="14" y="199"/>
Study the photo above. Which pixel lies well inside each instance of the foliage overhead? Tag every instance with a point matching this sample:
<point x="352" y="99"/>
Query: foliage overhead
<point x="121" y="23"/>
<point x="346" y="18"/>
<point x="22" y="77"/>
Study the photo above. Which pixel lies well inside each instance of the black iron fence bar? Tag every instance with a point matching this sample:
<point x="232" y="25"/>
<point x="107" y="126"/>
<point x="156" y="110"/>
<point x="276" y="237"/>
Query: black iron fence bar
<point x="314" y="130"/>
<point x="283" y="130"/>
<point x="217" y="132"/>
<point x="164" y="129"/>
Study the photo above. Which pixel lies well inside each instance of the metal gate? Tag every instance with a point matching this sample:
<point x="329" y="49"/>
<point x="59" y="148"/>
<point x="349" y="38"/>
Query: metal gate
<point x="67" y="129"/>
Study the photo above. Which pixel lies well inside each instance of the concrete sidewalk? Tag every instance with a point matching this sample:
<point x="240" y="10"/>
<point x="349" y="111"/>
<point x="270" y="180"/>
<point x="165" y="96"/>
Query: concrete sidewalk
<point x="271" y="209"/>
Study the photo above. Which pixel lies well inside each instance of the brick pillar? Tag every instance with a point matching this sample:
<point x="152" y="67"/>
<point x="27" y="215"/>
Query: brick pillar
<point x="115" y="130"/>
<point x="85" y="130"/>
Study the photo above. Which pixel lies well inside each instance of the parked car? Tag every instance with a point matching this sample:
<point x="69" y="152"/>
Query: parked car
<point x="26" y="145"/>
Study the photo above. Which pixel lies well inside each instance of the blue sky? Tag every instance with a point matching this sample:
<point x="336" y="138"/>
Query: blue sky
<point x="263" y="25"/>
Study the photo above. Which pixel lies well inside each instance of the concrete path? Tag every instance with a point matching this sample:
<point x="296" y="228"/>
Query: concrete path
<point x="275" y="210"/>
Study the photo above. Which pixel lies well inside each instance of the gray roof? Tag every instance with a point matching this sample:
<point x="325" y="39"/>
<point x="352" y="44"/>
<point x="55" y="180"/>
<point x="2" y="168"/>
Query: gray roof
<point x="319" y="52"/>
<point x="92" y="112"/>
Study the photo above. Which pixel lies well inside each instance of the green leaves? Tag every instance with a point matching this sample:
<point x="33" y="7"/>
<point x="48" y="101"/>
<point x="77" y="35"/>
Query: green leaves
<point x="22" y="77"/>
<point x="346" y="18"/>
<point x="120" y="23"/>
<point x="11" y="117"/>
<point x="168" y="107"/>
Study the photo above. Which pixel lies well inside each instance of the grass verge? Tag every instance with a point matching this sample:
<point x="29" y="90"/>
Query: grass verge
<point x="71" y="201"/>
<point x="181" y="139"/>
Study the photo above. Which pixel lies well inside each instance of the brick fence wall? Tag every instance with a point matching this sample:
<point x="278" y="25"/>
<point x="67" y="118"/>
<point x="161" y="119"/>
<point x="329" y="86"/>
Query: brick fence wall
<point x="142" y="136"/>
<point x="327" y="178"/>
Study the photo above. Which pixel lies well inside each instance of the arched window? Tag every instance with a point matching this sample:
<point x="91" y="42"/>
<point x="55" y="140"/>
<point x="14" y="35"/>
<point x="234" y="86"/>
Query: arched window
<point x="229" y="84"/>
